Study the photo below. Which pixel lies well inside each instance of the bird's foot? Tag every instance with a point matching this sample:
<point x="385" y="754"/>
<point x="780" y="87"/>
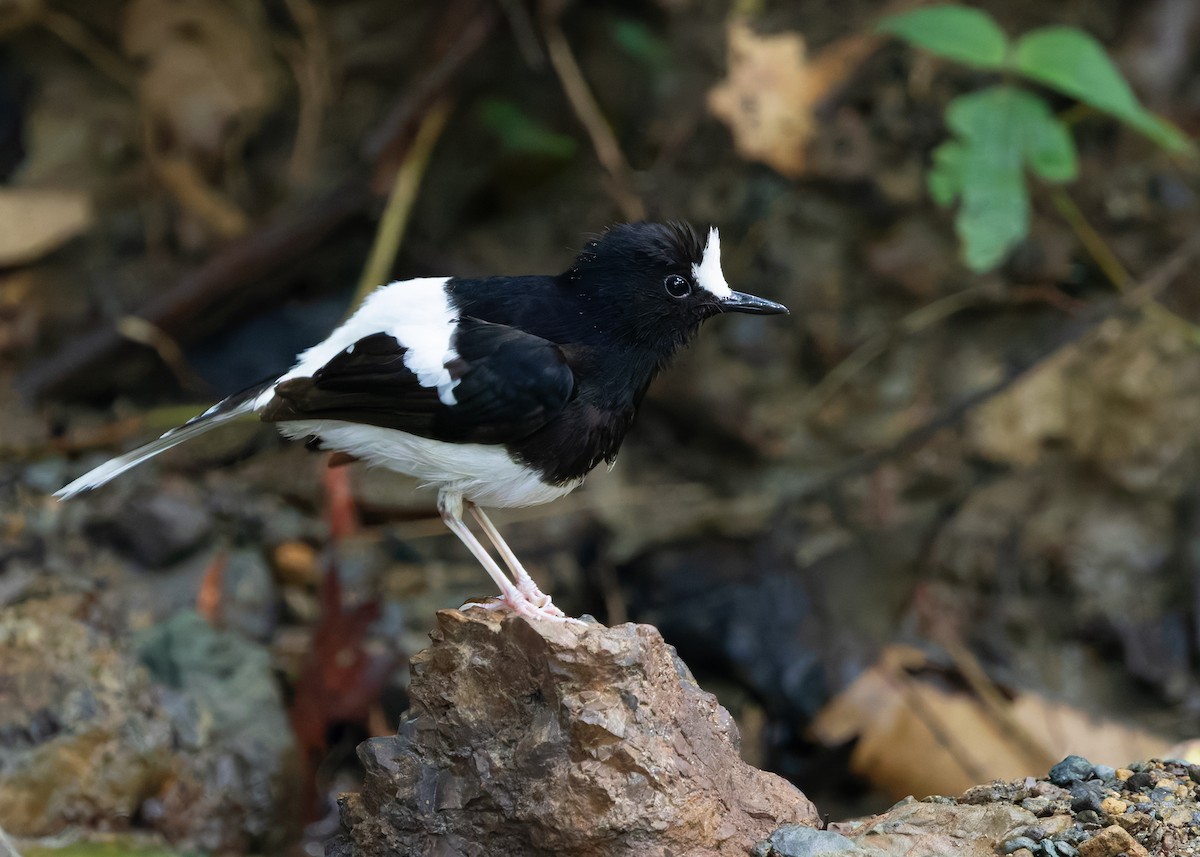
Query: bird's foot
<point x="524" y="606"/>
<point x="539" y="599"/>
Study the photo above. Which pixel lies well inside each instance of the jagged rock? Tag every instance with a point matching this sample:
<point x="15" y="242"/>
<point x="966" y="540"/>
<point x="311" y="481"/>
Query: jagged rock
<point x="547" y="739"/>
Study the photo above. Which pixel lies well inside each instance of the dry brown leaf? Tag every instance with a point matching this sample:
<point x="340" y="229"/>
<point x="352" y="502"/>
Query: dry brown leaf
<point x="208" y="76"/>
<point x="33" y="222"/>
<point x="773" y="87"/>
<point x="916" y="737"/>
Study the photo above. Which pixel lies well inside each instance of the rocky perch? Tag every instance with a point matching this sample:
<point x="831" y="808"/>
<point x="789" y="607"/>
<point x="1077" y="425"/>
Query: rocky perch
<point x="549" y="739"/>
<point x="539" y="739"/>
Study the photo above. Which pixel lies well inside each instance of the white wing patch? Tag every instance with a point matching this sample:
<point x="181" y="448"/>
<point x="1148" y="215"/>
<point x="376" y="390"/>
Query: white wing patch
<point x="708" y="274"/>
<point x="417" y="313"/>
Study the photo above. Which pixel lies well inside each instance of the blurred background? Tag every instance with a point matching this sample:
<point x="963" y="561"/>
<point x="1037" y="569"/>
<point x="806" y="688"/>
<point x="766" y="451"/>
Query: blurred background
<point x="940" y="525"/>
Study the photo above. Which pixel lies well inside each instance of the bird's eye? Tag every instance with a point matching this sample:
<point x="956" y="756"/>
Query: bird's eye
<point x="677" y="286"/>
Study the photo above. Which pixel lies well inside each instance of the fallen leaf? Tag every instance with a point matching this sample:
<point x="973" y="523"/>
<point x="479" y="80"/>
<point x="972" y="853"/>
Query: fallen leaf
<point x="34" y="222"/>
<point x="916" y="736"/>
<point x="773" y="88"/>
<point x="208" y="76"/>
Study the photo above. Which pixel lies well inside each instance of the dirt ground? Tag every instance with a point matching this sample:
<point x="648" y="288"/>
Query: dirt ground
<point x="934" y="527"/>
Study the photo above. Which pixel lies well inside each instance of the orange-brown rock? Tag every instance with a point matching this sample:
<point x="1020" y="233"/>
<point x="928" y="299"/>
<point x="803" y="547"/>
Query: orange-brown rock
<point x="545" y="739"/>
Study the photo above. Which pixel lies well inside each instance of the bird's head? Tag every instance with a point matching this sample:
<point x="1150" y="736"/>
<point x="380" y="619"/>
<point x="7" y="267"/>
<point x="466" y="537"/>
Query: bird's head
<point x="650" y="285"/>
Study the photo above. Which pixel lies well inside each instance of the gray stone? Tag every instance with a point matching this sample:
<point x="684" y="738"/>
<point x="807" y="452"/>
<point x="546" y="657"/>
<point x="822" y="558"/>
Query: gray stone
<point x="794" y="840"/>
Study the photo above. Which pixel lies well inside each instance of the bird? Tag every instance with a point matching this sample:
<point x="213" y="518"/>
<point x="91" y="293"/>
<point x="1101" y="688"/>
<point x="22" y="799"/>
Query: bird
<point x="498" y="392"/>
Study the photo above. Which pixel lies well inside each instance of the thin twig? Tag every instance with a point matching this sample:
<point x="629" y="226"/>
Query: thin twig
<point x="1091" y="240"/>
<point x="400" y="201"/>
<point x="589" y="114"/>
<point x="1037" y="756"/>
<point x="104" y="59"/>
<point x="944" y="737"/>
<point x="520" y="25"/>
<point x="185" y="310"/>
<point x="472" y="28"/>
<point x="311" y="64"/>
<point x="185" y="183"/>
<point x="858" y="360"/>
<point x="1108" y="263"/>
<point x="1133" y="300"/>
<point x="144" y="333"/>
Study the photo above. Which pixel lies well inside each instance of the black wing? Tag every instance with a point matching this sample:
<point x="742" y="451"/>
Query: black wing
<point x="511" y="383"/>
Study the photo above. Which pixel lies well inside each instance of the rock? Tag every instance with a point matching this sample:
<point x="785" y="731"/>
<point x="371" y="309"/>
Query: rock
<point x="1110" y="842"/>
<point x="90" y="740"/>
<point x="1019" y="842"/>
<point x="796" y="840"/>
<point x="544" y="738"/>
<point x="1113" y="806"/>
<point x="1070" y="770"/>
<point x="156" y="529"/>
<point x="938" y="828"/>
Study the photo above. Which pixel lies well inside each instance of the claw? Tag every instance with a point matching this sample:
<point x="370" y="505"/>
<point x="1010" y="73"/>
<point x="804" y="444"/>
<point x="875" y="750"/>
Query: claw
<point x="525" y="607"/>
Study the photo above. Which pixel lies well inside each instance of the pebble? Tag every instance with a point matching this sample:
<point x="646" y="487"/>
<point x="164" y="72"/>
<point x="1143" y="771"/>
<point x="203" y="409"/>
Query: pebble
<point x="1110" y="842"/>
<point x="1037" y="834"/>
<point x="1071" y="769"/>
<point x="1104" y="772"/>
<point x="1039" y="806"/>
<point x="1113" y="806"/>
<point x="1124" y="773"/>
<point x="1138" y="780"/>
<point x="1193" y="772"/>
<point x="795" y="840"/>
<point x="1019" y="842"/>
<point x="1087" y="816"/>
<point x="1086" y="796"/>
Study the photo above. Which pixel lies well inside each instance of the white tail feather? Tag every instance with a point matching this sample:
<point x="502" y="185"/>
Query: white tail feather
<point x="116" y="466"/>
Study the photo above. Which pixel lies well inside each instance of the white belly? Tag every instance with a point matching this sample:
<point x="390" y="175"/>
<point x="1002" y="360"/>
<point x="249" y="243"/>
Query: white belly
<point x="486" y="475"/>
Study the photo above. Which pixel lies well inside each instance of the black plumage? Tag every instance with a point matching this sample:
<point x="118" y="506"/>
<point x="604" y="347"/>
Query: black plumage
<point x="500" y="391"/>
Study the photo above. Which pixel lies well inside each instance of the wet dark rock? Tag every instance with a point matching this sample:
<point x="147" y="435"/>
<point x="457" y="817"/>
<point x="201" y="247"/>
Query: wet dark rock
<point x="156" y="529"/>
<point x="544" y="738"/>
<point x="1140" y="780"/>
<point x="1069" y="770"/>
<point x="1086" y="795"/>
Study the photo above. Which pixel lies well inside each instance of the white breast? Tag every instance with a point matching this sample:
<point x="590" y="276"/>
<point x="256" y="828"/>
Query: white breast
<point x="486" y="475"/>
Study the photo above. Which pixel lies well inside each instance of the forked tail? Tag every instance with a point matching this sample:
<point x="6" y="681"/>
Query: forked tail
<point x="245" y="402"/>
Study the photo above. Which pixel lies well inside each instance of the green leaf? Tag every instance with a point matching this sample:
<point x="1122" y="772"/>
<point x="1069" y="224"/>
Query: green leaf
<point x="522" y="134"/>
<point x="1070" y="61"/>
<point x="998" y="132"/>
<point x="1048" y="147"/>
<point x="641" y="43"/>
<point x="955" y="32"/>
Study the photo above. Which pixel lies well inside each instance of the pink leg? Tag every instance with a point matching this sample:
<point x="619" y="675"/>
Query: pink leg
<point x="524" y="582"/>
<point x="510" y="596"/>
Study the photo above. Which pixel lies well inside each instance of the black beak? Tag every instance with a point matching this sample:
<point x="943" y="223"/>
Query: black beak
<point x="742" y="302"/>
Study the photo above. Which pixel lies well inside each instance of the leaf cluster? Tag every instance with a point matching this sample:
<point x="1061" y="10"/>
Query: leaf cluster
<point x="1004" y="131"/>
